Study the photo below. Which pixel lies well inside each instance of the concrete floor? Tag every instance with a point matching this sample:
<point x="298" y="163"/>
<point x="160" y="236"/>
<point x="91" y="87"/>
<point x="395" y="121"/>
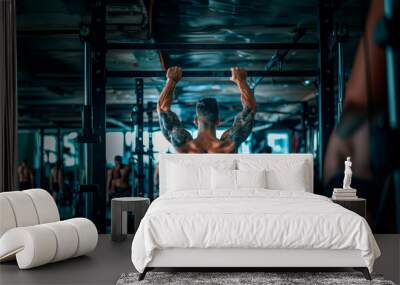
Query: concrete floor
<point x="103" y="266"/>
<point x="389" y="263"/>
<point x="110" y="260"/>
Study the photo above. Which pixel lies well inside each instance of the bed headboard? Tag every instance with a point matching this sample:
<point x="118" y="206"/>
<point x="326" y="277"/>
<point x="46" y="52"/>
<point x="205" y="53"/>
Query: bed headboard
<point x="209" y="159"/>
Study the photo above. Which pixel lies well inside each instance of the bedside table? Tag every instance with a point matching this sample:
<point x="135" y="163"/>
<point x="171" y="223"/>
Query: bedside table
<point x="358" y="206"/>
<point x="119" y="216"/>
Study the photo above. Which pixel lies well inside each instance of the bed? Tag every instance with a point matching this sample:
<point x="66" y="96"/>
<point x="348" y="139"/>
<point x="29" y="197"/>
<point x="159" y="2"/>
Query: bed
<point x="247" y="211"/>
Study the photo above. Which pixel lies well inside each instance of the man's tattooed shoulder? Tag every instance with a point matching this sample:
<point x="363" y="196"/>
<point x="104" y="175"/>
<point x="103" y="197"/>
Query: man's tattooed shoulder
<point x="173" y="130"/>
<point x="241" y="128"/>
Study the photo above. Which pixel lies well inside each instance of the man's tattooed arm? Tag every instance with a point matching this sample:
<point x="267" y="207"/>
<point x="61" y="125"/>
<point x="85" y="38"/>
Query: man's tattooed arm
<point x="243" y="123"/>
<point x="172" y="129"/>
<point x="170" y="125"/>
<point x="241" y="129"/>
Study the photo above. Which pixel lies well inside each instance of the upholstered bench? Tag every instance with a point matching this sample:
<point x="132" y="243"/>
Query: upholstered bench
<point x="31" y="230"/>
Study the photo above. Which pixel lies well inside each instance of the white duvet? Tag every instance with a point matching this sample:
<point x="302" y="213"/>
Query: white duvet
<point x="250" y="219"/>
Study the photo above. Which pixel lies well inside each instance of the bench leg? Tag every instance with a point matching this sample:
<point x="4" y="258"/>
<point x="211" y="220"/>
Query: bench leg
<point x="364" y="271"/>
<point x="142" y="275"/>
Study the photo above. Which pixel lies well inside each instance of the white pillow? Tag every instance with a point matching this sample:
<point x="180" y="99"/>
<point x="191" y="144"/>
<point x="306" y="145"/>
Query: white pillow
<point x="282" y="174"/>
<point x="251" y="178"/>
<point x="223" y="179"/>
<point x="193" y="175"/>
<point x="292" y="179"/>
<point x="182" y="177"/>
<point x="229" y="180"/>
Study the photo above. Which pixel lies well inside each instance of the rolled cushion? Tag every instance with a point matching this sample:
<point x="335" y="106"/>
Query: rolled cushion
<point x="87" y="235"/>
<point x="66" y="238"/>
<point x="46" y="208"/>
<point x="41" y="244"/>
<point x="26" y="208"/>
<point x="7" y="218"/>
<point x="33" y="246"/>
<point x="23" y="208"/>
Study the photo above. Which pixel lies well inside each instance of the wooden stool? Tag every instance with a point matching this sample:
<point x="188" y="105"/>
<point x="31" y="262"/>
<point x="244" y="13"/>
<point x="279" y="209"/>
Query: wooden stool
<point x="119" y="214"/>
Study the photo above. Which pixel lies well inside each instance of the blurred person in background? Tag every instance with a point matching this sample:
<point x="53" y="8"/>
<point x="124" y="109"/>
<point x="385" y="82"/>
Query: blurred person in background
<point x="25" y="175"/>
<point x="365" y="104"/>
<point x="56" y="180"/>
<point x="118" y="179"/>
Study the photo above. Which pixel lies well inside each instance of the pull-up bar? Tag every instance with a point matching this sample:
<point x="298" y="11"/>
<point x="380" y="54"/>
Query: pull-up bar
<point x="214" y="73"/>
<point x="210" y="46"/>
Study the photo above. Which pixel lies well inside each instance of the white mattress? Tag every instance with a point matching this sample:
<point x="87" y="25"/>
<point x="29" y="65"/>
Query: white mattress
<point x="253" y="219"/>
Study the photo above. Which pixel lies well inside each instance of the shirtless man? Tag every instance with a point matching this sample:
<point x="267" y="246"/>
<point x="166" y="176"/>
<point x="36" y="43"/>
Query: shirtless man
<point x="118" y="178"/>
<point x="56" y="180"/>
<point x="206" y="119"/>
<point x="25" y="175"/>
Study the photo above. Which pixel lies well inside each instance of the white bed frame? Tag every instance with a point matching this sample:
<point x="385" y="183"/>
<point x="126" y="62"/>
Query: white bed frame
<point x="251" y="258"/>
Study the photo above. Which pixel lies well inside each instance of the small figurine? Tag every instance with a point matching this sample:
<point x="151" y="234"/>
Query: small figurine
<point x="347" y="174"/>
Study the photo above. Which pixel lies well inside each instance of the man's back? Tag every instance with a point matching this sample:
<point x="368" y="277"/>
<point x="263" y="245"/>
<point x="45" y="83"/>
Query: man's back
<point x="207" y="118"/>
<point x="207" y="144"/>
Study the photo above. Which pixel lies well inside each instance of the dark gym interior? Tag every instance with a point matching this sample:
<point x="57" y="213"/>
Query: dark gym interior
<point x="79" y="118"/>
